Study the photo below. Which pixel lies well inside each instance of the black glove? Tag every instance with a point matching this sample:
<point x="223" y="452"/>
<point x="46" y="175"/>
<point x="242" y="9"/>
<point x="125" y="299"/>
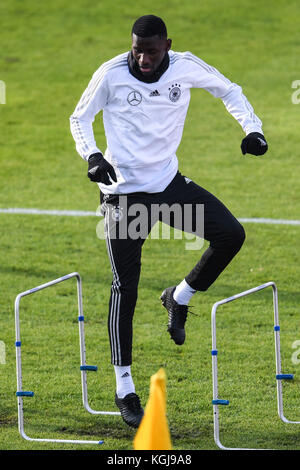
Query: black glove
<point x="254" y="143"/>
<point x="100" y="170"/>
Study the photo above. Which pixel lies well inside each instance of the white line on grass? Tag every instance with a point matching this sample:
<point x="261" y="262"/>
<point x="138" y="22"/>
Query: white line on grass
<point x="20" y="210"/>
<point x="33" y="211"/>
<point x="256" y="220"/>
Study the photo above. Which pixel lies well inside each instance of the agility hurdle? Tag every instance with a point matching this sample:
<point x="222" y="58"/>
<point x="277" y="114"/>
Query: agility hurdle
<point x="84" y="368"/>
<point x="214" y="352"/>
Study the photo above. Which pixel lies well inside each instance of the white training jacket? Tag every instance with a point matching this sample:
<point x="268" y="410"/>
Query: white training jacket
<point x="144" y="122"/>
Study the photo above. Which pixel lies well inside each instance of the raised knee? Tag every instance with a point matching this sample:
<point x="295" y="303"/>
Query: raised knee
<point x="240" y="235"/>
<point x="234" y="236"/>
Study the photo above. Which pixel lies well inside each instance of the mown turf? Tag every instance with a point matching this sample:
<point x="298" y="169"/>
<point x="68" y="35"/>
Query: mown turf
<point x="50" y="51"/>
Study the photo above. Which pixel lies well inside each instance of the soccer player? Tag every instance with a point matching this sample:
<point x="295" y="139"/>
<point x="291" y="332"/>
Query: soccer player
<point x="144" y="95"/>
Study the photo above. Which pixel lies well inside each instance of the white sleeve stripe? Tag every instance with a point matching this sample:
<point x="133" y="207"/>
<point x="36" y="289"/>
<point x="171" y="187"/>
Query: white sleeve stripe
<point x="250" y="109"/>
<point x="252" y="116"/>
<point x="198" y="61"/>
<point x="212" y="70"/>
<point x="206" y="67"/>
<point x="83" y="148"/>
<point x="174" y="59"/>
<point x="98" y="77"/>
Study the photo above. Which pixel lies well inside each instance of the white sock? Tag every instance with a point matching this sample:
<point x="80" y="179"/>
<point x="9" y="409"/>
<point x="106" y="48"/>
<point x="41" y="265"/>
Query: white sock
<point x="124" y="381"/>
<point x="183" y="293"/>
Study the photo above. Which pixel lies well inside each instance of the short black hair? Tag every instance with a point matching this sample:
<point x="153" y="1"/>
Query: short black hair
<point x="149" y="25"/>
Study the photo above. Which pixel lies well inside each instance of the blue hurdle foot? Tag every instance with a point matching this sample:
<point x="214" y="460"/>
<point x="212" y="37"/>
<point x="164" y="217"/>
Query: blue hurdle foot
<point x="284" y="376"/>
<point x="92" y="368"/>
<point x="24" y="394"/>
<point x="220" y="402"/>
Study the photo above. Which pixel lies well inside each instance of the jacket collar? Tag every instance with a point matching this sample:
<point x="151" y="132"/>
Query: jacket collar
<point x="135" y="71"/>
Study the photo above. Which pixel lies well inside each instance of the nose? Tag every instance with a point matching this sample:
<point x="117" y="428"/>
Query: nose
<point x="143" y="59"/>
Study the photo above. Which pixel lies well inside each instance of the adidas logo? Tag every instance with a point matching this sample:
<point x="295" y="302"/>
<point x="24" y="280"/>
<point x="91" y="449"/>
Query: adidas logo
<point x="154" y="93"/>
<point x="125" y="375"/>
<point x="263" y="143"/>
<point x="187" y="180"/>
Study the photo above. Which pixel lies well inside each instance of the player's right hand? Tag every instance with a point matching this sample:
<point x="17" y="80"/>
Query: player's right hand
<point x="255" y="144"/>
<point x="100" y="170"/>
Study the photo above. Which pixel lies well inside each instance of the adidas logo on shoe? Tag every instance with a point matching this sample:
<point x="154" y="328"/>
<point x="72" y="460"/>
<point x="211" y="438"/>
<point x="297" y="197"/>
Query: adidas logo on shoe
<point x="154" y="93"/>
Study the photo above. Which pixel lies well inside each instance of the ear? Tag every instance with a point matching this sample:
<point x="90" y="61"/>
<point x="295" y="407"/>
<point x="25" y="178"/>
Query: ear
<point x="169" y="44"/>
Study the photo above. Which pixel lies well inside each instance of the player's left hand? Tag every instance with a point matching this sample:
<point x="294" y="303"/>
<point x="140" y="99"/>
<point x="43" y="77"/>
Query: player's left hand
<point x="254" y="143"/>
<point x="100" y="170"/>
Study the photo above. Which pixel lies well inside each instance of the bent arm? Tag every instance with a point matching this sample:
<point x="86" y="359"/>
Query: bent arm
<point x="239" y="107"/>
<point x="207" y="77"/>
<point x="90" y="104"/>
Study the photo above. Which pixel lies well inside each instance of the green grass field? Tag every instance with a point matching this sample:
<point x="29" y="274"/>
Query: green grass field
<point x="48" y="53"/>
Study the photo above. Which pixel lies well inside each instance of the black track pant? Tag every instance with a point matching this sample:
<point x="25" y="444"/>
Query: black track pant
<point x="127" y="228"/>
